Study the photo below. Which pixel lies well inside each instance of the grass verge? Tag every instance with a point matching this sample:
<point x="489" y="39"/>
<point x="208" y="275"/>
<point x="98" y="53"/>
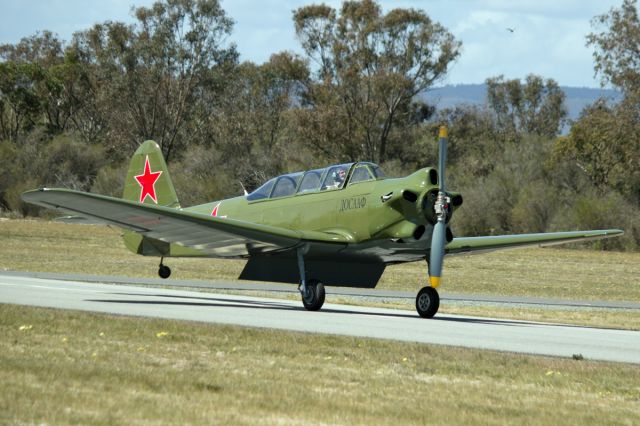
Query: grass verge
<point x="62" y="367"/>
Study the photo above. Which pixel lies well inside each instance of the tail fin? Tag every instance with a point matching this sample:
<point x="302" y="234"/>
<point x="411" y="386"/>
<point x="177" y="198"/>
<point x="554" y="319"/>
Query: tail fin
<point x="148" y="178"/>
<point x="148" y="182"/>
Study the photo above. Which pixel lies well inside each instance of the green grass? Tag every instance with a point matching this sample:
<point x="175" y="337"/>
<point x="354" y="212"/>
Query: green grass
<point x="42" y="246"/>
<point x="59" y="367"/>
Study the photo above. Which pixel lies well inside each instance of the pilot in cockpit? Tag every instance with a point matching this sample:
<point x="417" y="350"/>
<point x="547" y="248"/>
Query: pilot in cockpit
<point x="338" y="178"/>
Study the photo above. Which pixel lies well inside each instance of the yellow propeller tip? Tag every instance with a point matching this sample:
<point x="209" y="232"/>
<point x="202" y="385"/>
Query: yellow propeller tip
<point x="434" y="281"/>
<point x="443" y="131"/>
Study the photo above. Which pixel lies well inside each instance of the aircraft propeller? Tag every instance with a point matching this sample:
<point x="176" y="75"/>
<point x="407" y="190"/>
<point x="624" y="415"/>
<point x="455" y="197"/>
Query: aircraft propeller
<point x="437" y="206"/>
<point x="438" y="212"/>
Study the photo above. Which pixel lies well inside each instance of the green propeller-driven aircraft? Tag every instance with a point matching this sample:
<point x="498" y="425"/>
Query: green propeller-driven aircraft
<point x="336" y="226"/>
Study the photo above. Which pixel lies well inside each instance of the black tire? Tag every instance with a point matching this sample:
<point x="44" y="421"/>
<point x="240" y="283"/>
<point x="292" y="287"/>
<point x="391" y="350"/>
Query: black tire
<point x="164" y="271"/>
<point x="427" y="302"/>
<point x="315" y="296"/>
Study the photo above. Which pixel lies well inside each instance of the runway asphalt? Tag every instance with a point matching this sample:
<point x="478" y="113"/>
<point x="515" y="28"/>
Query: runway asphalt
<point x="472" y="332"/>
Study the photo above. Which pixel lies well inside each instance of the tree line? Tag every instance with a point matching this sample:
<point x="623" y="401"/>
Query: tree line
<point x="72" y="113"/>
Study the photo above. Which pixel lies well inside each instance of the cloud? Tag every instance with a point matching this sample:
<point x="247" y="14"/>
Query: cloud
<point x="482" y="19"/>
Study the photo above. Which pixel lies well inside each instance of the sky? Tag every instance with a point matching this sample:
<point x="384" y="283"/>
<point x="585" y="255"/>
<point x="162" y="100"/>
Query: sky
<point x="548" y="37"/>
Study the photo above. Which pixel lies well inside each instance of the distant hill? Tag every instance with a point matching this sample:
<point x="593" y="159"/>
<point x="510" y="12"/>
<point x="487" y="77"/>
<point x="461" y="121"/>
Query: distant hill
<point x="476" y="94"/>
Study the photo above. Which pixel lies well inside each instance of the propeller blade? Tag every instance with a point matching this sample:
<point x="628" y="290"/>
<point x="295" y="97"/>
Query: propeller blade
<point x="439" y="236"/>
<point x="442" y="157"/>
<point x="438" y="240"/>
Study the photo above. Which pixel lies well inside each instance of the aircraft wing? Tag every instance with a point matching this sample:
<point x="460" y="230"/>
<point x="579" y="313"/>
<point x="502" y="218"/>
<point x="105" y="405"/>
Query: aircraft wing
<point x="498" y="242"/>
<point x="211" y="235"/>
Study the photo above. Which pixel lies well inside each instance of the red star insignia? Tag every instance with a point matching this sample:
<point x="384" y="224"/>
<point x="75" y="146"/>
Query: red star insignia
<point x="214" y="213"/>
<point x="147" y="182"/>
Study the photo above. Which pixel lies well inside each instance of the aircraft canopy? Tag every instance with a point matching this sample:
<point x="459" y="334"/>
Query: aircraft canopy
<point x="327" y="179"/>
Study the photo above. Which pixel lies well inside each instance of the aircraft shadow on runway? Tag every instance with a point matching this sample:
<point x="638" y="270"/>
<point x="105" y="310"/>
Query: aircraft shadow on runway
<point x="202" y="301"/>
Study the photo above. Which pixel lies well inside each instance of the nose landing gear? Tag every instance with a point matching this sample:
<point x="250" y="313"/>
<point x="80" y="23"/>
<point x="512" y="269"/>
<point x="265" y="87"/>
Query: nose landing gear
<point x="427" y="302"/>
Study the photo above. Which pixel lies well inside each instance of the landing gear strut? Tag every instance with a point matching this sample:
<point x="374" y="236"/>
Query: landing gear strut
<point x="164" y="271"/>
<point x="427" y="302"/>
<point x="312" y="291"/>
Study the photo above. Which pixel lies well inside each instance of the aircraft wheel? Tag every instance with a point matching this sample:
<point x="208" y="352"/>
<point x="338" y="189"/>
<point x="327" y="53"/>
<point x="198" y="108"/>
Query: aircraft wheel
<point x="314" y="298"/>
<point x="164" y="271"/>
<point x="427" y="302"/>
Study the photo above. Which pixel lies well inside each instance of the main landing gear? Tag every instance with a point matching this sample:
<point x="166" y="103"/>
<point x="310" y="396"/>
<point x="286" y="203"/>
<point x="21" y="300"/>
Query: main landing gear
<point x="312" y="291"/>
<point x="427" y="302"/>
<point x="313" y="297"/>
<point x="163" y="270"/>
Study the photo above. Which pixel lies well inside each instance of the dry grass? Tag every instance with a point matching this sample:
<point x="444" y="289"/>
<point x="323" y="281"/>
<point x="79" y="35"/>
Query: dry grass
<point x="537" y="272"/>
<point x="60" y="367"/>
<point x="39" y="246"/>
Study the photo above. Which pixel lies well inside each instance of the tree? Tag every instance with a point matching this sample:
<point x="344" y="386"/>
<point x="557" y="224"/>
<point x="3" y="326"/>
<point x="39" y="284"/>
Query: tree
<point x="473" y="148"/>
<point x="617" y="47"/>
<point x="251" y="125"/>
<point x="152" y="74"/>
<point x="535" y="107"/>
<point x="28" y="92"/>
<point x="370" y="66"/>
<point x="51" y="75"/>
<point x="20" y="106"/>
<point x="605" y="141"/>
<point x="250" y="129"/>
<point x="605" y="144"/>
<point x="43" y="48"/>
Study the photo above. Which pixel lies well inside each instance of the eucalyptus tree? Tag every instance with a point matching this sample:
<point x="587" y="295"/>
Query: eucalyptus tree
<point x="251" y="126"/>
<point x="20" y="106"/>
<point x="616" y="45"/>
<point x="368" y="66"/>
<point x="151" y="75"/>
<point x="535" y="107"/>
<point x="30" y="85"/>
<point x="605" y="141"/>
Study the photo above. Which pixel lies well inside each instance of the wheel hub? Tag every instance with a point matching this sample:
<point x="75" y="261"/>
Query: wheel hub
<point x="309" y="294"/>
<point x="424" y="301"/>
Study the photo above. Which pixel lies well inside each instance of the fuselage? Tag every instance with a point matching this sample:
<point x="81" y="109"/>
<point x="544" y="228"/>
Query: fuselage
<point x="359" y="211"/>
<point x="376" y="219"/>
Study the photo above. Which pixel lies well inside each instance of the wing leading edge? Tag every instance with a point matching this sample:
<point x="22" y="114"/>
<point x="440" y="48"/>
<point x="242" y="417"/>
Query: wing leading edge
<point x="498" y="242"/>
<point x="211" y="235"/>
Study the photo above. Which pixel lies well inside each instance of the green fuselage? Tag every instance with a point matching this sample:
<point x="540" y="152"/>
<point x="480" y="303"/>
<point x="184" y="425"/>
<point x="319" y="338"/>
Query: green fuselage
<point x="356" y="211"/>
